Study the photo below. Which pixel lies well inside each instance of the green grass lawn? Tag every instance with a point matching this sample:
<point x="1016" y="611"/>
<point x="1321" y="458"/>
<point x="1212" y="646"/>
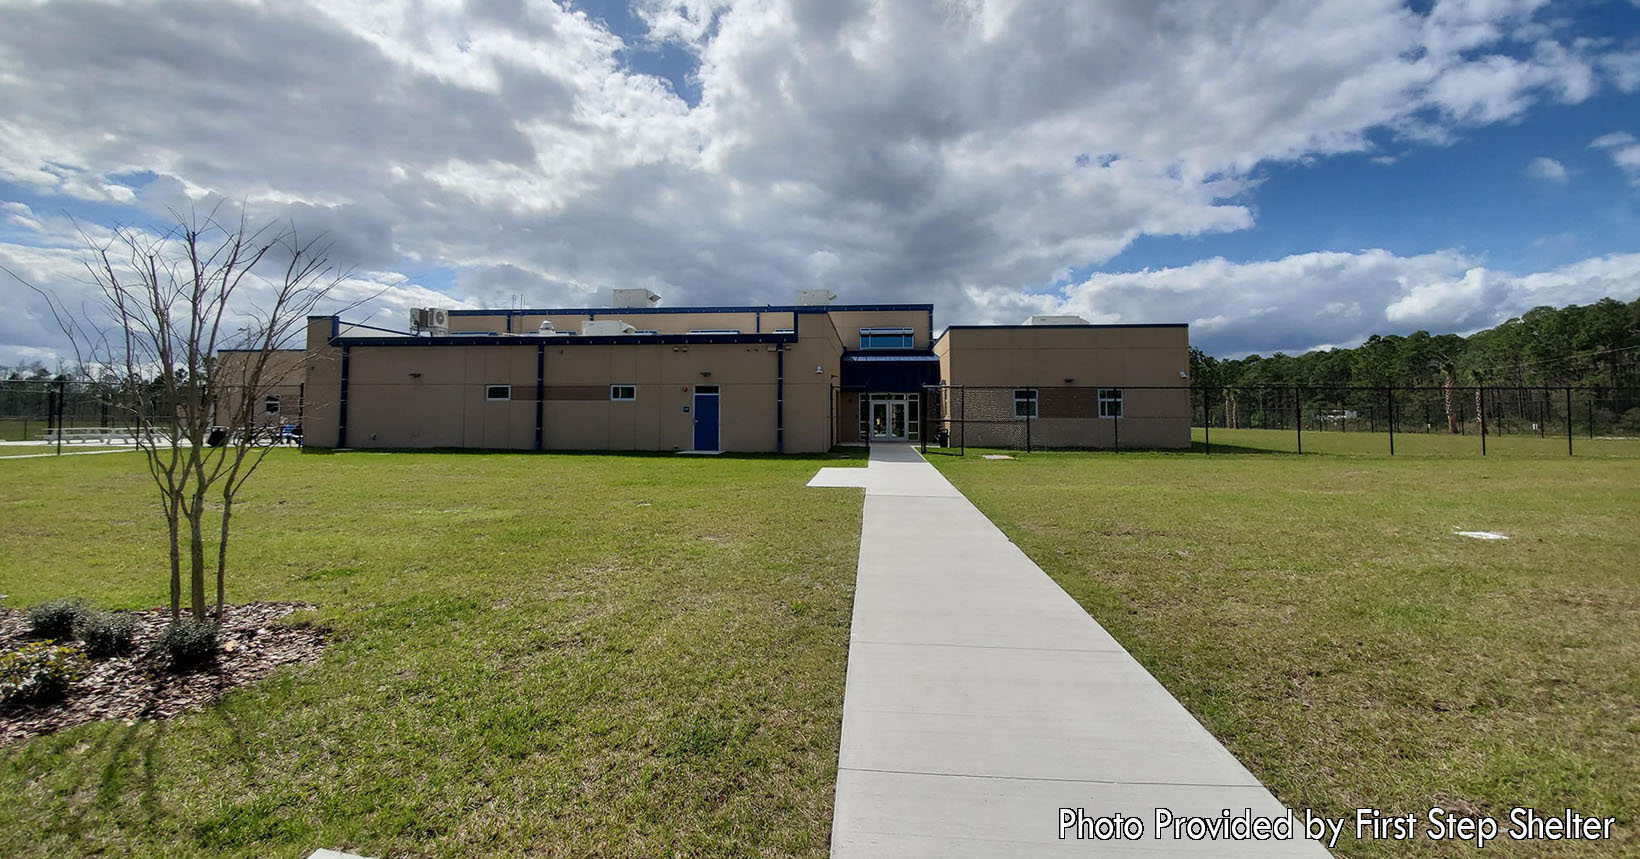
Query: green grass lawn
<point x="1377" y="444"/>
<point x="557" y="655"/>
<point x="1320" y="617"/>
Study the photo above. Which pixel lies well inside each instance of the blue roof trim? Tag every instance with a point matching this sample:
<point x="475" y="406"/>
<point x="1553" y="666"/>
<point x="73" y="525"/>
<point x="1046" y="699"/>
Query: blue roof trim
<point x="572" y="340"/>
<point x="749" y="308"/>
<point x="851" y="358"/>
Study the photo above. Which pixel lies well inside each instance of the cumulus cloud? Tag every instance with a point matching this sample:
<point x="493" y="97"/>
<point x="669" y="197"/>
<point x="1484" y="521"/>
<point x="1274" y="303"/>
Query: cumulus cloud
<point x="1314" y="300"/>
<point x="1624" y="151"/>
<point x="968" y="152"/>
<point x="1546" y="169"/>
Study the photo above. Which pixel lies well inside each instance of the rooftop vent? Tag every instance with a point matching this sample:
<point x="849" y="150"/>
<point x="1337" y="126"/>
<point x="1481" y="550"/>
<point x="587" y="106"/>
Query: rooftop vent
<point x="1056" y="320"/>
<point x="635" y="298"/>
<point x="815" y="297"/>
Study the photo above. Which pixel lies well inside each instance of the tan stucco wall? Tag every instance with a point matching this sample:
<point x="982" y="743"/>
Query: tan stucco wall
<point x="445" y="405"/>
<point x="324" y="384"/>
<point x="1090" y="357"/>
<point x="849" y="323"/>
<point x="282" y="377"/>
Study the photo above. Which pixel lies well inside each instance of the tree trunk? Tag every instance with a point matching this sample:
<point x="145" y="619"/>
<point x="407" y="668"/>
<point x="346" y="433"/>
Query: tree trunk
<point x="222" y="555"/>
<point x="176" y="562"/>
<point x="1451" y="403"/>
<point x="196" y="561"/>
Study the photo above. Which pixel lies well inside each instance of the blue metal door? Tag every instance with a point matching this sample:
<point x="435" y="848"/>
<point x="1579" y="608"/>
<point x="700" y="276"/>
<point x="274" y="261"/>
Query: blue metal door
<point x="706" y="417"/>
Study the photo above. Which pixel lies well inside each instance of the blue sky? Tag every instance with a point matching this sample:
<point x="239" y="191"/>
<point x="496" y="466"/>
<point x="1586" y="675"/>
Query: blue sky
<point x="1280" y="174"/>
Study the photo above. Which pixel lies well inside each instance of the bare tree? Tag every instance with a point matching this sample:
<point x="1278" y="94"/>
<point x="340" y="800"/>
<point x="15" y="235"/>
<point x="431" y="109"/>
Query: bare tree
<point x="167" y="307"/>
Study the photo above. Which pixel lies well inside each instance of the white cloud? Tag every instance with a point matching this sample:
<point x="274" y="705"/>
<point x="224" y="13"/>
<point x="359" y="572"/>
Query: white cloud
<point x="1546" y="169"/>
<point x="1312" y="300"/>
<point x="904" y="150"/>
<point x="1624" y="151"/>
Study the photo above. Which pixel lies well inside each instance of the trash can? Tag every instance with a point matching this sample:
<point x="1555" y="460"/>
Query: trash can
<point x="217" y="437"/>
<point x="944" y="435"/>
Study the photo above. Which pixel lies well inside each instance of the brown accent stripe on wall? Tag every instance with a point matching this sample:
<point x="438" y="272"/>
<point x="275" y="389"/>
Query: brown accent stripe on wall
<point x="577" y="392"/>
<point x="1067" y="403"/>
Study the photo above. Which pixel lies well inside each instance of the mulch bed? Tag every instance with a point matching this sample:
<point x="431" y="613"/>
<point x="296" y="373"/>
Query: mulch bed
<point x="141" y="685"/>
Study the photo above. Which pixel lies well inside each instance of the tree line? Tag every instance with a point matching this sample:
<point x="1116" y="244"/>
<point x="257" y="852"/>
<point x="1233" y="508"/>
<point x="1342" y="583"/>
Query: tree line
<point x="1594" y="346"/>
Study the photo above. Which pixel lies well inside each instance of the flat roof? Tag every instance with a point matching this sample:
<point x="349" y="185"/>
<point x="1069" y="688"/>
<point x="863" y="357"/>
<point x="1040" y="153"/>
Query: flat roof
<point x="476" y="339"/>
<point x="1079" y="325"/>
<point x="746" y="308"/>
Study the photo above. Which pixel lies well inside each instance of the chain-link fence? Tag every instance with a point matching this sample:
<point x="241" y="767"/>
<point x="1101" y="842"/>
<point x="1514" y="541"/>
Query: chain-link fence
<point x="33" y="409"/>
<point x="1434" y="420"/>
<point x="70" y="411"/>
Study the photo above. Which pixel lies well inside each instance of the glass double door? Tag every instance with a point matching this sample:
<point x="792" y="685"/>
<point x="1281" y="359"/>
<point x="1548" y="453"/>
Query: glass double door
<point x="889" y="417"/>
<point x="888" y="421"/>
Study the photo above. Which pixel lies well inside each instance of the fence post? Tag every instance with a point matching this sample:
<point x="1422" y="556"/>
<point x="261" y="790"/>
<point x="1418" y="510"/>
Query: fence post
<point x="1568" y="421"/>
<point x="1116" y="430"/>
<point x="1207" y="422"/>
<point x="1298" y="419"/>
<point x="922" y="422"/>
<point x="1591" y="414"/>
<point x="962" y="447"/>
<point x="1027" y="431"/>
<point x="1480" y="396"/>
<point x="62" y="394"/>
<point x="1391" y="392"/>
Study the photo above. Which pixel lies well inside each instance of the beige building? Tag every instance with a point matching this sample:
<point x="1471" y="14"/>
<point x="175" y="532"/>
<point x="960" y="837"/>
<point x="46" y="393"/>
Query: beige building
<point x="278" y="395"/>
<point x="1067" y="385"/>
<point x="794" y="379"/>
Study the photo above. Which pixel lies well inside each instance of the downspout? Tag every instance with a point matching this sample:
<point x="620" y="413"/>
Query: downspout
<point x="341" y="417"/>
<point x="780" y="398"/>
<point x="540" y="387"/>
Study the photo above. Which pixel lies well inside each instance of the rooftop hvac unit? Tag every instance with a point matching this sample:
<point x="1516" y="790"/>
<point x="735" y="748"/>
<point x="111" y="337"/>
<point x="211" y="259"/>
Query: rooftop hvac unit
<point x="634" y="298"/>
<point x="605" y="327"/>
<point x="1056" y="320"/>
<point x="434" y="320"/>
<point x="815" y="297"/>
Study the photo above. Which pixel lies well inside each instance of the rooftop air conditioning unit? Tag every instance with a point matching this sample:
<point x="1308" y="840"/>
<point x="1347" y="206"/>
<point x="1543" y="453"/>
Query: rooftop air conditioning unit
<point x="605" y="328"/>
<point x="815" y="297"/>
<point x="634" y="298"/>
<point x="434" y="320"/>
<point x="1056" y="320"/>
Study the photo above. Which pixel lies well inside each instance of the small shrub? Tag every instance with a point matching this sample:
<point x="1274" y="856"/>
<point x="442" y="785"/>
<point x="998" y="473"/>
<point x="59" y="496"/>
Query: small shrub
<point x="105" y="633"/>
<point x="188" y="643"/>
<point x="39" y="672"/>
<point x="55" y="618"/>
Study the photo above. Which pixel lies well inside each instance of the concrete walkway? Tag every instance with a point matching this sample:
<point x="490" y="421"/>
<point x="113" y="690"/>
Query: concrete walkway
<point x="981" y="699"/>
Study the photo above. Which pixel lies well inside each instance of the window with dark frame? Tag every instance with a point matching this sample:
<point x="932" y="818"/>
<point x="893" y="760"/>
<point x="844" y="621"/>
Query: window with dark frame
<point x="886" y="338"/>
<point x="270" y="406"/>
<point x="623" y="392"/>
<point x="1110" y="402"/>
<point x="494" y="393"/>
<point x="1025" y="403"/>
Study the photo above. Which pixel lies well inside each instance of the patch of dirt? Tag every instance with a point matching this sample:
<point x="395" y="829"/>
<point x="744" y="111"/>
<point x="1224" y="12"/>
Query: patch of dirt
<point x="141" y="685"/>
